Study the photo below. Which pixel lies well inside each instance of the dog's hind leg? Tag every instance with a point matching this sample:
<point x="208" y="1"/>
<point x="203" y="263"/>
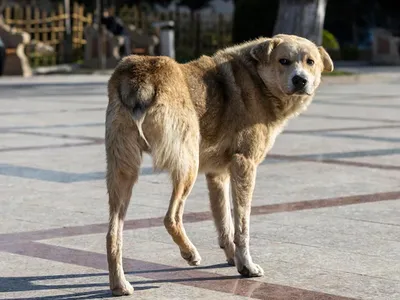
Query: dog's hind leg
<point x="182" y="185"/>
<point x="123" y="166"/>
<point x="218" y="187"/>
<point x="175" y="141"/>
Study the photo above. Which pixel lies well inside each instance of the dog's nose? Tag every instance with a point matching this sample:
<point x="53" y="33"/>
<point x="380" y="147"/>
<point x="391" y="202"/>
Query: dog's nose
<point x="299" y="82"/>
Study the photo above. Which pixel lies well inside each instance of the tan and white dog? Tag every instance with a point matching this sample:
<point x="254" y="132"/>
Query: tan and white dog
<point x="216" y="115"/>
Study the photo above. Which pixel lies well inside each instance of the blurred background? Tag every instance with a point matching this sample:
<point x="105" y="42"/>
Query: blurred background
<point x="55" y="36"/>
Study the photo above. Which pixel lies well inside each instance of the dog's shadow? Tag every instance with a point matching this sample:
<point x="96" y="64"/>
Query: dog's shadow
<point x="34" y="283"/>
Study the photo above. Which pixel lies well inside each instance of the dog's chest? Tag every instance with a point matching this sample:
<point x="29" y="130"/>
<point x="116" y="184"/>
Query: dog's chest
<point x="269" y="142"/>
<point x="216" y="157"/>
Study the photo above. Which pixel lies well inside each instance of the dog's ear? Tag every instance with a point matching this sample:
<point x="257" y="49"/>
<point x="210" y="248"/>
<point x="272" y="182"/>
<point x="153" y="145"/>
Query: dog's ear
<point x="262" y="52"/>
<point x="326" y="59"/>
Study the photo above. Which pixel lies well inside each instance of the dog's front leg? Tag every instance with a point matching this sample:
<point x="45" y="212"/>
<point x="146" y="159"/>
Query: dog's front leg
<point x="243" y="174"/>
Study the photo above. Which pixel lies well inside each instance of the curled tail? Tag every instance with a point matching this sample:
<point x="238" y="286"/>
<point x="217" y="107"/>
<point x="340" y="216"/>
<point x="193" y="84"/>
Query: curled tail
<point x="137" y="98"/>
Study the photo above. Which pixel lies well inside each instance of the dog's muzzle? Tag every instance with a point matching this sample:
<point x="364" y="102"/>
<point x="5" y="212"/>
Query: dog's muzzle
<point x="299" y="84"/>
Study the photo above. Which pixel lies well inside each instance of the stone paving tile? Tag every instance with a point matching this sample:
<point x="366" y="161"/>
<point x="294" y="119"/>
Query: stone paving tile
<point x="12" y="224"/>
<point x="11" y="140"/>
<point x="387" y="160"/>
<point x="92" y="131"/>
<point x="25" y="277"/>
<point x="344" y="149"/>
<point x="374" y="213"/>
<point x="341" y="111"/>
<point x="307" y="144"/>
<point x="330" y="221"/>
<point x="282" y="260"/>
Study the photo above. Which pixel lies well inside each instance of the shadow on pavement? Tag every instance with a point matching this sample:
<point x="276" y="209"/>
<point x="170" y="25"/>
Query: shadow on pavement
<point x="23" y="284"/>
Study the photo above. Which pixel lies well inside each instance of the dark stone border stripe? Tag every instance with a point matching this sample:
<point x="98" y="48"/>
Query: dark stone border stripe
<point x="335" y="162"/>
<point x="54" y="126"/>
<point x="58" y="135"/>
<point x="349" y="154"/>
<point x="160" y="273"/>
<point x="67" y="145"/>
<point x="29" y="85"/>
<point x="327" y="134"/>
<point x="54" y="111"/>
<point x="340" y="129"/>
<point x="195" y="217"/>
<point x="330" y="117"/>
<point x="371" y="105"/>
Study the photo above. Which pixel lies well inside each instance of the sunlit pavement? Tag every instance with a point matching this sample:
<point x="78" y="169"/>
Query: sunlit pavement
<point x="326" y="210"/>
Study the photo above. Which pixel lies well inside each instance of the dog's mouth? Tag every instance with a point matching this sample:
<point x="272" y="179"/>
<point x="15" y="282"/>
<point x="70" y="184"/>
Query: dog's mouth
<point x="301" y="92"/>
<point x="288" y="91"/>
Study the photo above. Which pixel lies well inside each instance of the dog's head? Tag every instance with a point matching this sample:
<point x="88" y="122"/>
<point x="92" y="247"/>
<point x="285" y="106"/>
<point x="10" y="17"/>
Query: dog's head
<point x="290" y="65"/>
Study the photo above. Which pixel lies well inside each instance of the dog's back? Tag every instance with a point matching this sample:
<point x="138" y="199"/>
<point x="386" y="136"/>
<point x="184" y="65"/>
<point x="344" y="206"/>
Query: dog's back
<point x="151" y="97"/>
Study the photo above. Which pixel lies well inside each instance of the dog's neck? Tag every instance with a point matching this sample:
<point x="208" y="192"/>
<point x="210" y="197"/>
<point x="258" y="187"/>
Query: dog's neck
<point x="283" y="107"/>
<point x="288" y="107"/>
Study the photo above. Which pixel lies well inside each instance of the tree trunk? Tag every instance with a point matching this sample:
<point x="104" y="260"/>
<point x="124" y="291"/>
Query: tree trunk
<point x="304" y="18"/>
<point x="68" y="40"/>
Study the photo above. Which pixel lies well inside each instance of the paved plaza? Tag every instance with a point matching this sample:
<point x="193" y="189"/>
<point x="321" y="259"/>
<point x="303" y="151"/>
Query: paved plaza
<point x="326" y="210"/>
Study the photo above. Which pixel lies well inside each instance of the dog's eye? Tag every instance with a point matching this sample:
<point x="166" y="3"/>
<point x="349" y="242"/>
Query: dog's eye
<point x="310" y="62"/>
<point x="284" y="62"/>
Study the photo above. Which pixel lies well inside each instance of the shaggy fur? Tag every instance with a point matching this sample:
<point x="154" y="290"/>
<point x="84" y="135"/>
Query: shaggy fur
<point x="216" y="115"/>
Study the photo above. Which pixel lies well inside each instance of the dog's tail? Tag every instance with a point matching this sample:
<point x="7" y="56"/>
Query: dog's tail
<point x="137" y="98"/>
<point x="174" y="125"/>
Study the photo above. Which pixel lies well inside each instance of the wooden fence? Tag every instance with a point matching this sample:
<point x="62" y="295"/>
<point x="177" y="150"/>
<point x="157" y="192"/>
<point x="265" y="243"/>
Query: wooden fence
<point x="50" y="28"/>
<point x="195" y="34"/>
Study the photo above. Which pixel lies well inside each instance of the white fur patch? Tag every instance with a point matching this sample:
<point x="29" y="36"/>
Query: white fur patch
<point x="300" y="71"/>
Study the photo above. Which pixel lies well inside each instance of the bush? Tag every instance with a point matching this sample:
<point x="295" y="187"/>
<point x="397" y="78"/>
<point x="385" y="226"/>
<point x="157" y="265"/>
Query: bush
<point x="329" y="41"/>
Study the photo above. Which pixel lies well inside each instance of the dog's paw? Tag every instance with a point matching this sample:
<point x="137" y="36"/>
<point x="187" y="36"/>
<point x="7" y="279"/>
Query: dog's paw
<point x="122" y="289"/>
<point x="245" y="265"/>
<point x="230" y="261"/>
<point x="193" y="257"/>
<point x="252" y="270"/>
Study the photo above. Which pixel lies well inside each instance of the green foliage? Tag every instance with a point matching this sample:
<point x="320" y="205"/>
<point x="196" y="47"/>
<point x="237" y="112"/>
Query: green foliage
<point x="254" y="18"/>
<point x="329" y="41"/>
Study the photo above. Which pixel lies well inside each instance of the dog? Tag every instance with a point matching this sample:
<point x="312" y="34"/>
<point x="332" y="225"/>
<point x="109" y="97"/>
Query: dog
<point x="215" y="115"/>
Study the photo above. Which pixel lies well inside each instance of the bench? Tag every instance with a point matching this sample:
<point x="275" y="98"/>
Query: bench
<point x="15" y="41"/>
